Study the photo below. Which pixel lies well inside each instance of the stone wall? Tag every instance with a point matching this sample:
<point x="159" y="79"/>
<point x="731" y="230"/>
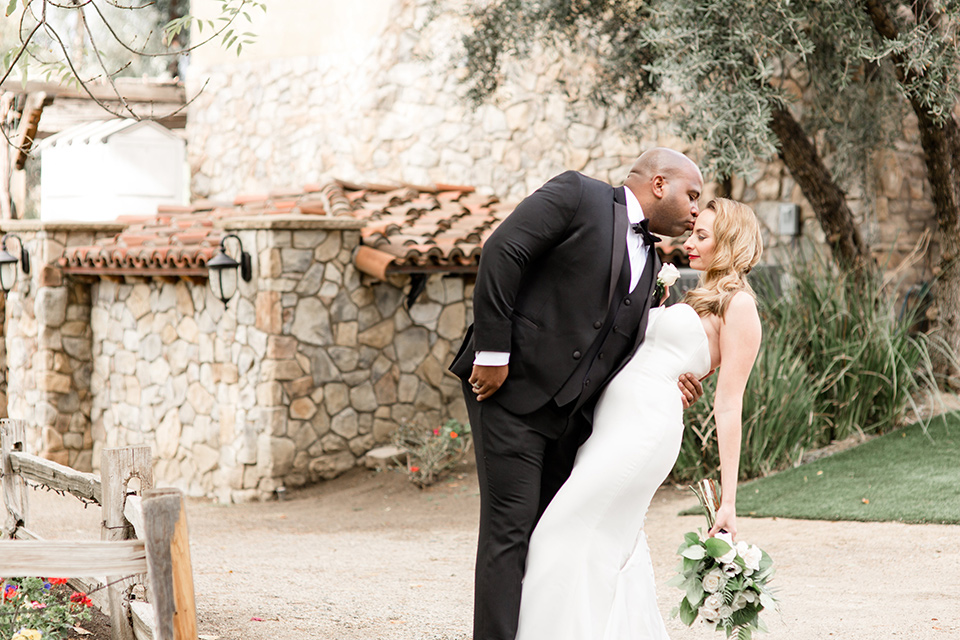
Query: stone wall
<point x="394" y="115"/>
<point x="398" y="115"/>
<point x="48" y="344"/>
<point x="309" y="367"/>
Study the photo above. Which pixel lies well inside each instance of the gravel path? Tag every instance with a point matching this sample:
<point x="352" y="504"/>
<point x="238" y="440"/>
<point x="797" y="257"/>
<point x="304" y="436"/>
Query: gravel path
<point x="368" y="556"/>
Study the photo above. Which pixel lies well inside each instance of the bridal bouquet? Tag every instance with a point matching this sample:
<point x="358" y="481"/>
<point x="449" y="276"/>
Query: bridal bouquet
<point x="725" y="583"/>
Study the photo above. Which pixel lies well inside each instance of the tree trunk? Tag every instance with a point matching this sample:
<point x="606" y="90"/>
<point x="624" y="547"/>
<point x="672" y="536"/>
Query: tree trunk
<point x="941" y="152"/>
<point x="940" y="143"/>
<point x="821" y="190"/>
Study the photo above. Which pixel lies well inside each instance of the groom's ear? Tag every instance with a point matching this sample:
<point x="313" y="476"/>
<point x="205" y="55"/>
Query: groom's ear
<point x="658" y="186"/>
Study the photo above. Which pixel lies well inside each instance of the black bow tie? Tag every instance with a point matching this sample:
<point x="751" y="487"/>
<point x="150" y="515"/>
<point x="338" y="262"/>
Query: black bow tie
<point x="640" y="228"/>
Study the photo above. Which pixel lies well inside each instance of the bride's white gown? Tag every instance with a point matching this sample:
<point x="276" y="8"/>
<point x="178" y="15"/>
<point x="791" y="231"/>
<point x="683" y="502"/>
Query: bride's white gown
<point x="589" y="574"/>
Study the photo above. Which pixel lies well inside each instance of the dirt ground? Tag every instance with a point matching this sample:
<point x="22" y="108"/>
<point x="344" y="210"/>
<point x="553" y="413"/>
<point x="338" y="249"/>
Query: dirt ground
<point x="370" y="557"/>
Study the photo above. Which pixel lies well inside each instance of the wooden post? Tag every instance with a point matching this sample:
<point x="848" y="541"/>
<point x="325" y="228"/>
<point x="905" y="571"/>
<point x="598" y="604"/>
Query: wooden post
<point x="117" y="467"/>
<point x="168" y="563"/>
<point x="12" y="438"/>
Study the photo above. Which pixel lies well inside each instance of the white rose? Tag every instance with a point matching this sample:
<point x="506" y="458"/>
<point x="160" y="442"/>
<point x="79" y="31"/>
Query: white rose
<point x="731" y="569"/>
<point x="712" y="581"/>
<point x="752" y="557"/>
<point x="708" y="614"/>
<point x="731" y="555"/>
<point x="668" y="275"/>
<point x="725" y="612"/>
<point x="713" y="601"/>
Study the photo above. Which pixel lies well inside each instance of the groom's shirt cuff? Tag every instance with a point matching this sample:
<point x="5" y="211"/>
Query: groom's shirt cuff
<point x="491" y="358"/>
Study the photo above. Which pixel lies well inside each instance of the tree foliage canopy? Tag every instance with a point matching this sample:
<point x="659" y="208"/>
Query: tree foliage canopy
<point x="76" y="42"/>
<point x="732" y="62"/>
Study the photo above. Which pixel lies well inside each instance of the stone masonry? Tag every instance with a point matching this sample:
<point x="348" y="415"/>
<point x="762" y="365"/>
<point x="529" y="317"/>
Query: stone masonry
<point x="309" y="367"/>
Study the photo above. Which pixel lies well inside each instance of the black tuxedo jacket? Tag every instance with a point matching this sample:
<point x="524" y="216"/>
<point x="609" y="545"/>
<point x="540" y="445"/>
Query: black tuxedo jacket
<point x="546" y="281"/>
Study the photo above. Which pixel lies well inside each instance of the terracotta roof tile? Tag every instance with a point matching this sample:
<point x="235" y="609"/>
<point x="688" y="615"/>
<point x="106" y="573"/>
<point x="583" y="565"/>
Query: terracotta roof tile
<point x="408" y="228"/>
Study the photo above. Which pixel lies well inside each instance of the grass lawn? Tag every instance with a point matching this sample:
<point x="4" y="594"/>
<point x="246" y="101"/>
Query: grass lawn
<point x="904" y="476"/>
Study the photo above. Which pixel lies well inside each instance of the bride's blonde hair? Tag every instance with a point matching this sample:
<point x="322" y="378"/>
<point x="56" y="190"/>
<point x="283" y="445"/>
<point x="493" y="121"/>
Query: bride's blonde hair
<point x="737" y="249"/>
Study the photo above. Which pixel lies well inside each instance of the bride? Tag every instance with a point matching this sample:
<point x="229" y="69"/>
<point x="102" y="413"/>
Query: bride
<point x="589" y="575"/>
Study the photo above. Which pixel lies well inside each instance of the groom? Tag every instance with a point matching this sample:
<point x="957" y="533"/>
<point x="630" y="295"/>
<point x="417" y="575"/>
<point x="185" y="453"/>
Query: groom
<point x="560" y="304"/>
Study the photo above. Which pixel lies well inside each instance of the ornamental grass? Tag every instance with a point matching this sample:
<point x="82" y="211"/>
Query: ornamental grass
<point x="838" y="358"/>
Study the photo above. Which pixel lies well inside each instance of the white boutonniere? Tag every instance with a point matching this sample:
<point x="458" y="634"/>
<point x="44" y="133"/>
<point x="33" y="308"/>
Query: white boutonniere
<point x="667" y="277"/>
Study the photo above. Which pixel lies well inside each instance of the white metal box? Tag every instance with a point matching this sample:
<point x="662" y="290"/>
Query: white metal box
<point x="101" y="170"/>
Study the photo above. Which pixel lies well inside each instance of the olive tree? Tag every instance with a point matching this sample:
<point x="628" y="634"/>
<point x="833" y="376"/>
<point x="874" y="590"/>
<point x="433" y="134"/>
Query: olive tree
<point x="862" y="62"/>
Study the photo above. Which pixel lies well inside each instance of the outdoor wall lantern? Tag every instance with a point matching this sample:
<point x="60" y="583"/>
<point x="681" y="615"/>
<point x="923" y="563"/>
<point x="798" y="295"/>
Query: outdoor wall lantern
<point x="8" y="263"/>
<point x="223" y="270"/>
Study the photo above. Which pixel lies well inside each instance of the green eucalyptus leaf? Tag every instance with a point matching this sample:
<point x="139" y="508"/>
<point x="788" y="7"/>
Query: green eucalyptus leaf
<point x="694" y="553"/>
<point x="716" y="547"/>
<point x="687" y="613"/>
<point x="12" y="7"/>
<point x="695" y="592"/>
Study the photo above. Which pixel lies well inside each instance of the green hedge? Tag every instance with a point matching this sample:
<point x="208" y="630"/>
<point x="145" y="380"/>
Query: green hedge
<point x="835" y="360"/>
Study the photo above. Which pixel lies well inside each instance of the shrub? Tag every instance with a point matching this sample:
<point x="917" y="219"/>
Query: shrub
<point x="430" y="452"/>
<point x="836" y="360"/>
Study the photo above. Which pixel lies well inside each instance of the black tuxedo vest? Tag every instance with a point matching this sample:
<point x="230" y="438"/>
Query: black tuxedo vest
<point x="615" y="342"/>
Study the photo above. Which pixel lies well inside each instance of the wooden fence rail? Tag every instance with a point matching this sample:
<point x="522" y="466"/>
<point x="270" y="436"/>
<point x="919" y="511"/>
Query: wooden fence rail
<point x="141" y="535"/>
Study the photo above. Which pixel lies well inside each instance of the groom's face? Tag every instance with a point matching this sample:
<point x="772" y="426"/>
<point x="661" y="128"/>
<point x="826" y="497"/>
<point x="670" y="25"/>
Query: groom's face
<point x="677" y="207"/>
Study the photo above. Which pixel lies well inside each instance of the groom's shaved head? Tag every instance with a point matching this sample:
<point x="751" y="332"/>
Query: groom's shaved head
<point x="667" y="185"/>
<point x="661" y="161"/>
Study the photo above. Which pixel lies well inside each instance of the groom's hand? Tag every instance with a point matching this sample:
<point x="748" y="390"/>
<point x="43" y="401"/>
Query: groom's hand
<point x="486" y="380"/>
<point x="691" y="388"/>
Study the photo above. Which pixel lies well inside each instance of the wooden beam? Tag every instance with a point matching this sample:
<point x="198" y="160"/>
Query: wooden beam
<point x="12" y="439"/>
<point x="56" y="476"/>
<point x="28" y="127"/>
<point x="21" y="558"/>
<point x="138" y="272"/>
<point x="133" y="512"/>
<point x="144" y="622"/>
<point x="118" y="468"/>
<point x="168" y="559"/>
<point x="131" y="90"/>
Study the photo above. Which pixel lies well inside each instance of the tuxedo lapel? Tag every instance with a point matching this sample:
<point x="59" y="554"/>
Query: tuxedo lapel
<point x="620" y="224"/>
<point x="648" y="282"/>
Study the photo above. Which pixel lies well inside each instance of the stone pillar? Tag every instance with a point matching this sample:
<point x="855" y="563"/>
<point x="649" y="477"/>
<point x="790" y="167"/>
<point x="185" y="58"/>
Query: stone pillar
<point x="296" y="312"/>
<point x="48" y="341"/>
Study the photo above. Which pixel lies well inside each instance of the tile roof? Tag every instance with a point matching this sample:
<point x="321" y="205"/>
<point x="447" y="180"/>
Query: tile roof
<point x="408" y="229"/>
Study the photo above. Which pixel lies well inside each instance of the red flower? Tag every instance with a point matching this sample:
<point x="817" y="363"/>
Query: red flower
<point x="453" y="434"/>
<point x="80" y="597"/>
<point x="10" y="592"/>
<point x="436" y="432"/>
<point x="57" y="580"/>
<point x="414" y="469"/>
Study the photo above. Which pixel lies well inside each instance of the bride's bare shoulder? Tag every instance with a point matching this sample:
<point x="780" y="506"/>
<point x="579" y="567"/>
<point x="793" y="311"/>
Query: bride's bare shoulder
<point x="742" y="314"/>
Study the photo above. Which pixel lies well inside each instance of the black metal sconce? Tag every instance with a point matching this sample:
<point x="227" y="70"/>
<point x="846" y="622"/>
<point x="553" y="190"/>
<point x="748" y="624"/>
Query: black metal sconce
<point x="223" y="270"/>
<point x="8" y="263"/>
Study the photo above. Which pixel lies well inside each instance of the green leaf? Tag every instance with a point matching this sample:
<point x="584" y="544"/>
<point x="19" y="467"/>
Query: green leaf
<point x="716" y="547"/>
<point x="677" y="580"/>
<point x="687" y="613"/>
<point x="694" y="553"/>
<point x="691" y="537"/>
<point x="767" y="601"/>
<point x="11" y="7"/>
<point x="694" y="592"/>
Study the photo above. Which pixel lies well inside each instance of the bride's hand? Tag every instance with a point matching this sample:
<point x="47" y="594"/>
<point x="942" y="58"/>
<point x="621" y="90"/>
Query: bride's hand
<point x="726" y="521"/>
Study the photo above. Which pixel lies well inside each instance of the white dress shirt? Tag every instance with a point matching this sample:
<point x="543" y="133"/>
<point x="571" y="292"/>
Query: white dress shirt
<point x="636" y="252"/>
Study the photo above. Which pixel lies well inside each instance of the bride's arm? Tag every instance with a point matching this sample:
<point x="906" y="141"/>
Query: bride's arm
<point x="740" y="334"/>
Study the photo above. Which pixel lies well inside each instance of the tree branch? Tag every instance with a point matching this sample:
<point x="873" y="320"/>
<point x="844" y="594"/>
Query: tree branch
<point x="109" y="77"/>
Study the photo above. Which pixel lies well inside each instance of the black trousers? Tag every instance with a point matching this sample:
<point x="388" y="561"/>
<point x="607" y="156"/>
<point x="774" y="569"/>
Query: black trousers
<point x="519" y="471"/>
